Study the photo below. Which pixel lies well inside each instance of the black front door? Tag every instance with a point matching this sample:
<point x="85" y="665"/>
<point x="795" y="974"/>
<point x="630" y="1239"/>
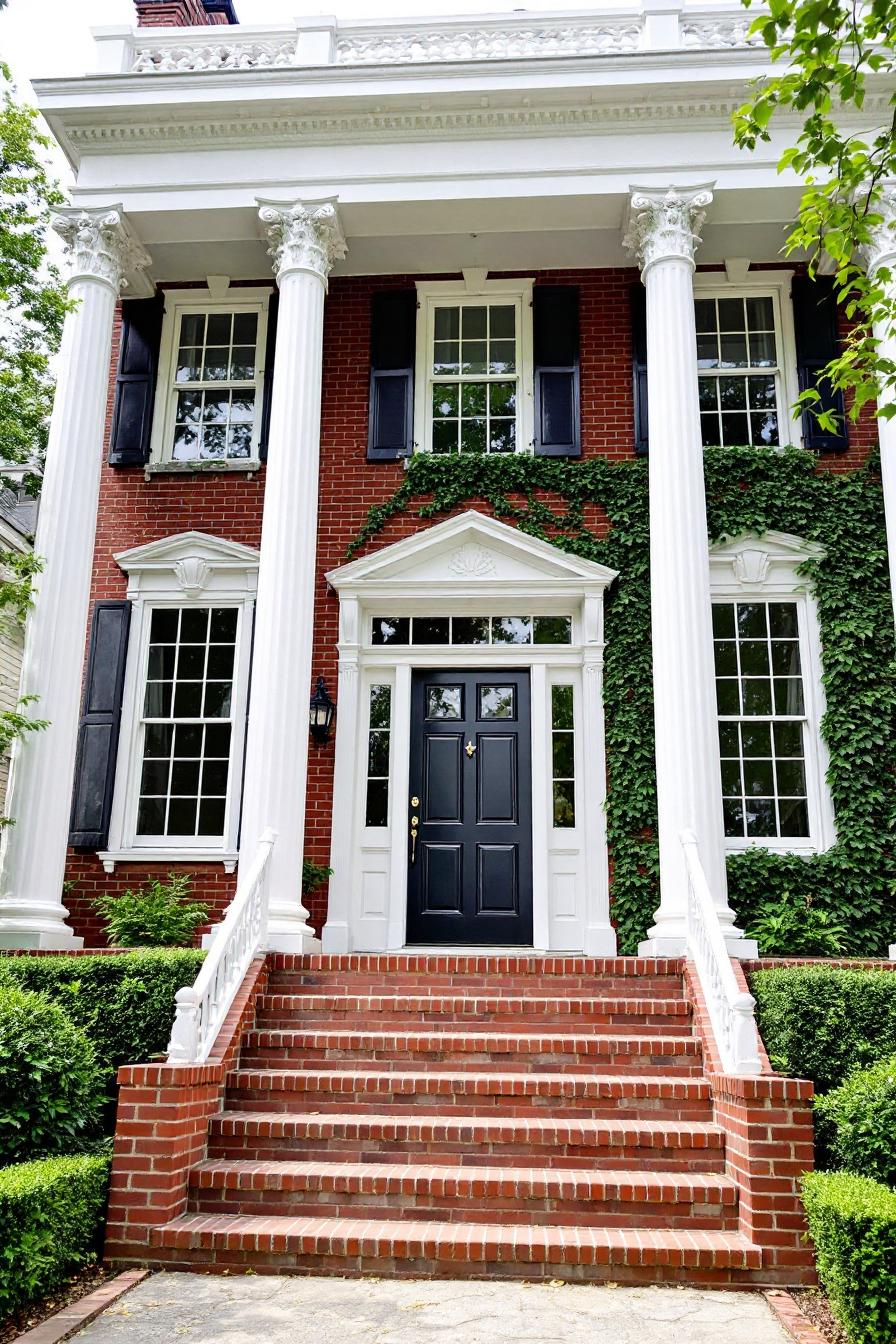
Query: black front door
<point x="470" y="863"/>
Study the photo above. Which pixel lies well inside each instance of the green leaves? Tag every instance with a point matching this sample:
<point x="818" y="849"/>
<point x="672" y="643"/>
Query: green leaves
<point x="156" y="915"/>
<point x="852" y="1221"/>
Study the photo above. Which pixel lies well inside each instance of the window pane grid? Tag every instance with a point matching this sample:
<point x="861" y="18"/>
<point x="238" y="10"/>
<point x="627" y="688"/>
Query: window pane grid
<point x="378" y="743"/>
<point x="506" y="630"/>
<point x="215" y="381"/>
<point x="738" y="362"/>
<point x="474" y="377"/>
<point x="186" y="722"/>
<point x="761" y="719"/>
<point x="563" y="786"/>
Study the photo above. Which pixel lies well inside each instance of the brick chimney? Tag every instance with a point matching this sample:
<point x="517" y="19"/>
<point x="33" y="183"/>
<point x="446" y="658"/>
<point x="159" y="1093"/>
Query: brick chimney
<point x="184" y="13"/>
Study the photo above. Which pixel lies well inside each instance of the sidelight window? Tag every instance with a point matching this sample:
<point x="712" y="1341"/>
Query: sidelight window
<point x="379" y="736"/>
<point x="563" y="757"/>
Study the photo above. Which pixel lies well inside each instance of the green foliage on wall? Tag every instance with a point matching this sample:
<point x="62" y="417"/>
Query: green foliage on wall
<point x="748" y="490"/>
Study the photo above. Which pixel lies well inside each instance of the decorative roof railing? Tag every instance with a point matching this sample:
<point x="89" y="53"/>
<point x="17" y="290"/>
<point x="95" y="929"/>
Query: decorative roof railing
<point x="626" y="30"/>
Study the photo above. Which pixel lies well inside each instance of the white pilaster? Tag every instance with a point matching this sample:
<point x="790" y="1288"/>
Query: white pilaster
<point x="600" y="936"/>
<point x="664" y="232"/>
<point x="882" y="255"/>
<point x="305" y="238"/>
<point x="101" y="249"/>
<point x="336" y="935"/>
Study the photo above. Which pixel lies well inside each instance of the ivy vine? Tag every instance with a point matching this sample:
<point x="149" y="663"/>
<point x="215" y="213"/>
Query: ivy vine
<point x="747" y="490"/>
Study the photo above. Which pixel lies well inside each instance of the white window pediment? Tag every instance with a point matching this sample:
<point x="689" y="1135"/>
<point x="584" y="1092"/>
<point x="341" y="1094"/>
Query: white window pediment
<point x="470" y="555"/>
<point x="192" y="563"/>
<point x="770" y="562"/>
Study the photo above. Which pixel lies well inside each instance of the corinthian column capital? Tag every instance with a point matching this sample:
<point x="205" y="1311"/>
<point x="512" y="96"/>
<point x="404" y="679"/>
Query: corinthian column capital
<point x="100" y="245"/>
<point x="664" y="224"/>
<point x="304" y="236"/>
<point x="881" y="251"/>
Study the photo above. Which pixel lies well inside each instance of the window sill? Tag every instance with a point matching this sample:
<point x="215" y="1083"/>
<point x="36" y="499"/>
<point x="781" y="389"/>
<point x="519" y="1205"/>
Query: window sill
<point x="243" y="466"/>
<point x="109" y="858"/>
<point x="805" y="848"/>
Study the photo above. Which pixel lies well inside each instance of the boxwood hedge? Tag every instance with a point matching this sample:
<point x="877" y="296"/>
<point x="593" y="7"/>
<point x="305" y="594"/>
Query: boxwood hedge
<point x="852" y="1221"/>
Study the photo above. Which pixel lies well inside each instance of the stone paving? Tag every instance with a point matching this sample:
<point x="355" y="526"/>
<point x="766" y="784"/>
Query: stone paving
<point x="197" y="1309"/>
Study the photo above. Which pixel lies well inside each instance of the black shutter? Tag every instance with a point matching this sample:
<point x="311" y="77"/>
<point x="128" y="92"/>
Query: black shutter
<point x="555" y="328"/>
<point x="270" y="349"/>
<point x="638" y="301"/>
<point x="135" y="385"/>
<point x="393" y="334"/>
<point x="815" y="328"/>
<point x="98" y="729"/>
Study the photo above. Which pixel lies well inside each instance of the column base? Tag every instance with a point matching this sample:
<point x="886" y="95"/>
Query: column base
<point x="335" y="939"/>
<point x="295" y="941"/>
<point x="36" y="926"/>
<point x="675" y="945"/>
<point x="600" y="941"/>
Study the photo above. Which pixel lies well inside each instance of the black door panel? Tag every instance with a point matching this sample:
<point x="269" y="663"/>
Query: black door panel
<point x="470" y="868"/>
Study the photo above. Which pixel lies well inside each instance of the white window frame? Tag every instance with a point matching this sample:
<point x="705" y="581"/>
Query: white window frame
<point x="178" y="303"/>
<point x="764" y="569"/>
<point x="774" y="285"/>
<point x="187" y="570"/>
<point x="432" y="294"/>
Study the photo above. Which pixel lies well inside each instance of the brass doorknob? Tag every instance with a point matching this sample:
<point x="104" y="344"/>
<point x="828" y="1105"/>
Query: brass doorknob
<point x="470" y="749"/>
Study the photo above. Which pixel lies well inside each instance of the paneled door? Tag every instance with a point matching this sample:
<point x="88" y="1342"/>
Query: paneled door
<point x="469" y="809"/>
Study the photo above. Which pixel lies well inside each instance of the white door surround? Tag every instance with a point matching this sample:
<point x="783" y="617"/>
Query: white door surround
<point x="469" y="565"/>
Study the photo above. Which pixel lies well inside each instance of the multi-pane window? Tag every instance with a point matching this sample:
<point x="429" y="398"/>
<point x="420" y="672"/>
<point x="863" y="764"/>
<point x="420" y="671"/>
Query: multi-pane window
<point x="563" y="756"/>
<point x="762" y="719"/>
<point x="737" y="358"/>
<point x="471" y="630"/>
<point x="474" y="377"/>
<point x="216" y="387"/>
<point x="378" y="735"/>
<point x="186" y="722"/>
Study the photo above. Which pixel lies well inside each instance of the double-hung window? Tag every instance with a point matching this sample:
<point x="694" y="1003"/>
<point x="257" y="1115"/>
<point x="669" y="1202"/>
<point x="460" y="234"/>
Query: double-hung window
<point x="474" y="369"/>
<point x="739" y="364"/>
<point x="211" y="380"/>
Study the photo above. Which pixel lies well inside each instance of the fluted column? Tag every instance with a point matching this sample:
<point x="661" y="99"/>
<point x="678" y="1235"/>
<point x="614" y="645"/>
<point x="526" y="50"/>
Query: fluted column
<point x="305" y="238"/>
<point x="881" y="255"/>
<point x="101" y="249"/>
<point x="664" y="232"/>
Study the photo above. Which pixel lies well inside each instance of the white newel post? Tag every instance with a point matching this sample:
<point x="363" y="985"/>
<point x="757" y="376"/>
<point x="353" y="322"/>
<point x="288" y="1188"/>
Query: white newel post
<point x="664" y="232"/>
<point x="305" y="238"/>
<point x="101" y="249"/>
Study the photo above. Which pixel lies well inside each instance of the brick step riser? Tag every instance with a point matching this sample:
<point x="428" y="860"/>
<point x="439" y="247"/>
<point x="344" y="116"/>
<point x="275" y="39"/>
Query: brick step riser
<point x="578" y="986"/>
<point x="623" y="1061"/>
<point x="464" y="1103"/>
<point x="553" y="1156"/>
<point x="654" y="1024"/>
<point x="703" y="1216"/>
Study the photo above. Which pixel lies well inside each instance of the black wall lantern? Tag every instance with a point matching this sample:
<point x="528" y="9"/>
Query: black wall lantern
<point x="323" y="712"/>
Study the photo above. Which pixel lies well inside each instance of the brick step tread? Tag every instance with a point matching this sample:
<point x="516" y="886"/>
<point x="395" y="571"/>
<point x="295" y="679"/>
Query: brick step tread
<point x="476" y="963"/>
<point x="473" y="1004"/>
<point x="425" y="982"/>
<point x="471" y="1128"/>
<point x="464" y="1242"/>
<point x="468" y="1082"/>
<point x="470" y="1041"/>
<point x="465" y="1183"/>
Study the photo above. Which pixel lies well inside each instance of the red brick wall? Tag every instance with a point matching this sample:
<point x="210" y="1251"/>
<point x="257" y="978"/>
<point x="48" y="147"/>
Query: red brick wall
<point x="133" y="511"/>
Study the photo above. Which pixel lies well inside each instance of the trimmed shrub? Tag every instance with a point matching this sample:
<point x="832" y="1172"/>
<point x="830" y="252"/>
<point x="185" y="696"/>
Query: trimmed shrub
<point x="155" y="915"/>
<point x="51" y="1213"/>
<point x="124" y="1003"/>
<point x="50" y="1085"/>
<point x="821" y="1023"/>
<point x="795" y="927"/>
<point x="852" y="1221"/>
<point x="858" y="1123"/>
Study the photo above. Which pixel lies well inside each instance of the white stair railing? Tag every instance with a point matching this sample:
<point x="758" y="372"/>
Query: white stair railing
<point x="203" y="1006"/>
<point x="731" y="1010"/>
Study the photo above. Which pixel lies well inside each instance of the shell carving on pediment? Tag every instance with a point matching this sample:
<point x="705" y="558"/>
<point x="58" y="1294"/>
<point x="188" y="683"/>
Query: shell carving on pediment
<point x="472" y="562"/>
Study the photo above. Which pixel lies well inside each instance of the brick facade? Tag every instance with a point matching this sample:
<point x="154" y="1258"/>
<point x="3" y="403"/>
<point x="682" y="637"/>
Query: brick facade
<point x="133" y="511"/>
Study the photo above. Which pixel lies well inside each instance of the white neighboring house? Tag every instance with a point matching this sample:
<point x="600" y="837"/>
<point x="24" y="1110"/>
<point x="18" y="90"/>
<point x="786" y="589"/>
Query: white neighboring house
<point x="18" y="518"/>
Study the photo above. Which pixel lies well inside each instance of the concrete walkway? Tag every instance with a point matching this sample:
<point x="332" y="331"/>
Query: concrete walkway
<point x="169" y="1308"/>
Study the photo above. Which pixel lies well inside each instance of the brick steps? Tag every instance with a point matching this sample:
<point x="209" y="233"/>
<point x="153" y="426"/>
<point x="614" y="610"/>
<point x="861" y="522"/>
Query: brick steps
<point x="442" y="1011"/>
<point x="467" y="1194"/>
<point x="614" y="1052"/>
<point x="471" y="1093"/>
<point x="658" y="1145"/>
<point x="345" y="1245"/>
<point x="433" y="982"/>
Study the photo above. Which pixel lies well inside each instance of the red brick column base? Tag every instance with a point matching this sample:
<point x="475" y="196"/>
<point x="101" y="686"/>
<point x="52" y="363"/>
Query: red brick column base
<point x="161" y="1130"/>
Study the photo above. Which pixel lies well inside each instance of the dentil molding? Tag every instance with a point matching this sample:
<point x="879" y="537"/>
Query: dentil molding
<point x="100" y="245"/>
<point x="304" y="236"/>
<point x="665" y="224"/>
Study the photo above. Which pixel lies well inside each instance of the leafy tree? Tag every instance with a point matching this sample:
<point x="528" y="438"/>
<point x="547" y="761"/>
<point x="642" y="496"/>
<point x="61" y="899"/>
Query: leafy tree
<point x="840" y="77"/>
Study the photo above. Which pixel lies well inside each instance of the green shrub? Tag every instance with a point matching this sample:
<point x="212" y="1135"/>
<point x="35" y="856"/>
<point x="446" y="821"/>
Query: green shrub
<point x="852" y="1221"/>
<point x="314" y="875"/>
<point x="795" y="927"/>
<point x="858" y="1120"/>
<point x="124" y="1002"/>
<point x="51" y="1213"/>
<point x="821" y="1023"/>
<point x="50" y="1085"/>
<point x="156" y="915"/>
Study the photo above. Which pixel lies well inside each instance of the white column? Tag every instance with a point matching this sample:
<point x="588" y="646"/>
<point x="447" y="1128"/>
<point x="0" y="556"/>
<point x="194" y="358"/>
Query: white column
<point x="882" y="254"/>
<point x="664" y="233"/>
<point x="101" y="249"/>
<point x="305" y="238"/>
